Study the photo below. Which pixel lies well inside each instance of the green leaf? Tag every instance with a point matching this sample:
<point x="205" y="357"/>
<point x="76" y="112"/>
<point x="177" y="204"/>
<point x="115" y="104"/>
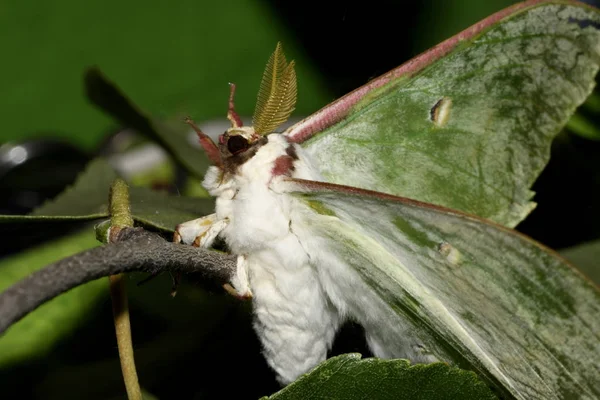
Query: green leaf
<point x="469" y="124"/>
<point x="87" y="199"/>
<point x="349" y="377"/>
<point x="148" y="396"/>
<point x="586" y="257"/>
<point x="583" y="127"/>
<point x="434" y="282"/>
<point x="159" y="210"/>
<point x="173" y="137"/>
<point x="585" y="121"/>
<point x="39" y="331"/>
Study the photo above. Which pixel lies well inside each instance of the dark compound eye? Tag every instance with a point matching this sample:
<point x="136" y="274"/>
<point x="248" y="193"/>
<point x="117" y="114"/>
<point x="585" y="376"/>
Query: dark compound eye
<point x="237" y="144"/>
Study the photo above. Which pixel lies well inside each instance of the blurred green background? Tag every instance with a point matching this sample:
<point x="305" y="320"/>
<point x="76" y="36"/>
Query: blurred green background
<point x="172" y="57"/>
<point x="175" y="59"/>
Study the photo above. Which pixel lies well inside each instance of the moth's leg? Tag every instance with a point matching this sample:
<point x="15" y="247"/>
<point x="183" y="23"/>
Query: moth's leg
<point x="200" y="232"/>
<point x="240" y="285"/>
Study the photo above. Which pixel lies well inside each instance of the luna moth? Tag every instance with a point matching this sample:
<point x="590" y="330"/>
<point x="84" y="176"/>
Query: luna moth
<point x="393" y="207"/>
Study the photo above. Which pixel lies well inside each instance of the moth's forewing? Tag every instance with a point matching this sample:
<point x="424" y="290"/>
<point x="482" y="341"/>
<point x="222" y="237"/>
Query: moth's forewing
<point x="507" y="85"/>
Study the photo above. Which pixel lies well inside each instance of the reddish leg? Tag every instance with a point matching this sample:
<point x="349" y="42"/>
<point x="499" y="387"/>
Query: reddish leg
<point x="211" y="149"/>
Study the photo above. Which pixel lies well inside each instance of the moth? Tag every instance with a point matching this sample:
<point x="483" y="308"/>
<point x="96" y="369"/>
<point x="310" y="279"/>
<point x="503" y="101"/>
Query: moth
<point x="393" y="207"/>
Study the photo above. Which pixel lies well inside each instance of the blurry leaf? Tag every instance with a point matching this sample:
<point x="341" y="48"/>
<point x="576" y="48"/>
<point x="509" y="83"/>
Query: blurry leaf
<point x="583" y="127"/>
<point x="163" y="172"/>
<point x="87" y="199"/>
<point x="193" y="187"/>
<point x="592" y="104"/>
<point x="349" y="377"/>
<point x="40" y="330"/>
<point x="148" y="396"/>
<point x="173" y="137"/>
<point x="586" y="120"/>
<point x="163" y="211"/>
<point x="586" y="257"/>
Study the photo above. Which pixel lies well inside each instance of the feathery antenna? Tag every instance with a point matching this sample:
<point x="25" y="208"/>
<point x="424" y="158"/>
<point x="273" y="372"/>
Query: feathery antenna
<point x="277" y="94"/>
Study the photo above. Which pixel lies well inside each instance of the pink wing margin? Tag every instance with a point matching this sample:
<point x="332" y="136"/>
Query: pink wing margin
<point x="339" y="109"/>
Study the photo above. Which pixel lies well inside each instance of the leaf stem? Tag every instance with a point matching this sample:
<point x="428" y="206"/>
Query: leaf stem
<point x="118" y="294"/>
<point x="120" y="213"/>
<point x="120" y="217"/>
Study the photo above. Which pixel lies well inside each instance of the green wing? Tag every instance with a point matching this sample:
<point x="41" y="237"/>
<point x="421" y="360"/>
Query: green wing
<point x="469" y="292"/>
<point x="467" y="125"/>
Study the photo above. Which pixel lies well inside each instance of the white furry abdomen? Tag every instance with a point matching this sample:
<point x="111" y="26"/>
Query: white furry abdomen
<point x="294" y="319"/>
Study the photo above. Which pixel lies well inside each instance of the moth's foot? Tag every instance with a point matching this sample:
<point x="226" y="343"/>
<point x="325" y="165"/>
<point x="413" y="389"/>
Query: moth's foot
<point x="240" y="285"/>
<point x="200" y="232"/>
<point x="177" y="236"/>
<point x="189" y="231"/>
<point x="232" y="291"/>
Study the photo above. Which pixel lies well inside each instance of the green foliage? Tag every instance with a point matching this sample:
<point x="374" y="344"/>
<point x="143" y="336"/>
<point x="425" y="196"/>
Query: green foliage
<point x="36" y="334"/>
<point x="172" y="136"/>
<point x="153" y="209"/>
<point x="586" y="257"/>
<point x="174" y="57"/>
<point x="585" y="121"/>
<point x="87" y="199"/>
<point x="349" y="377"/>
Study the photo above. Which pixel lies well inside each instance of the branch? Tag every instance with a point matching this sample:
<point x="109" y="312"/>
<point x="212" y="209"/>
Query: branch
<point x="134" y="250"/>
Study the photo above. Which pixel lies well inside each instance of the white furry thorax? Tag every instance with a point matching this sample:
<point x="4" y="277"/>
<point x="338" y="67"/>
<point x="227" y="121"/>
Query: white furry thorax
<point x="257" y="215"/>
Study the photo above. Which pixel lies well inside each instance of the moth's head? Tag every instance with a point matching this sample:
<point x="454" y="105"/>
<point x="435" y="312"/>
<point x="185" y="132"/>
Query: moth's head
<point x="238" y="144"/>
<point x="237" y="140"/>
<point x="276" y="101"/>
